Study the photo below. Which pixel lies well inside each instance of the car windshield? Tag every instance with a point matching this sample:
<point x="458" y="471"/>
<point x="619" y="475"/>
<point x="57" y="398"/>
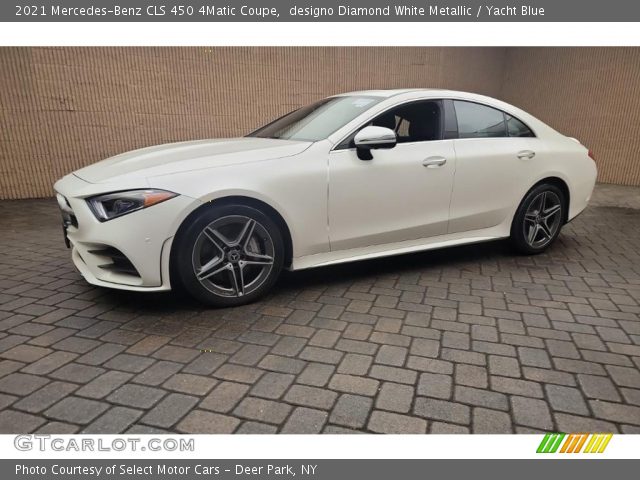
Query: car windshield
<point x="317" y="121"/>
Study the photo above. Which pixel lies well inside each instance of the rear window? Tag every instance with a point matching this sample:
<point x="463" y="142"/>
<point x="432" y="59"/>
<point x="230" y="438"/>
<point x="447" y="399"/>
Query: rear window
<point x="516" y="128"/>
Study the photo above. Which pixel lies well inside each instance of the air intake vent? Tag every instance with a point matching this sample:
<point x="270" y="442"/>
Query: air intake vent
<point x="119" y="262"/>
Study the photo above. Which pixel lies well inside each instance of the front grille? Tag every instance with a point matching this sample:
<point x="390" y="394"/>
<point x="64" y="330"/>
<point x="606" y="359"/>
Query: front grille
<point x="119" y="261"/>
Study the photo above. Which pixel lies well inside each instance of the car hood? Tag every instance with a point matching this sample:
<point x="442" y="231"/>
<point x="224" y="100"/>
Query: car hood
<point x="185" y="156"/>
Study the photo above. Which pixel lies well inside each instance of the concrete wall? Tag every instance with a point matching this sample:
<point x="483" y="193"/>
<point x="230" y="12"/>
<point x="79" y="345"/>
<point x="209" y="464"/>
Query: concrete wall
<point x="63" y="108"/>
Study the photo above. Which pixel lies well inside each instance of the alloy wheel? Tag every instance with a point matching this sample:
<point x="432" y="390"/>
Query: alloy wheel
<point x="542" y="219"/>
<point x="233" y="256"/>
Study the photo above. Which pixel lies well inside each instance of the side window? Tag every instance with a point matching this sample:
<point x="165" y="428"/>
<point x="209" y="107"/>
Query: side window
<point x="418" y="122"/>
<point x="516" y="128"/>
<point x="479" y="121"/>
<point x="413" y="122"/>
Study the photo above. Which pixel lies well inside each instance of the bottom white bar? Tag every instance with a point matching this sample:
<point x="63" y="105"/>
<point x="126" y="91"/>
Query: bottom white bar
<point x="321" y="33"/>
<point x="295" y="447"/>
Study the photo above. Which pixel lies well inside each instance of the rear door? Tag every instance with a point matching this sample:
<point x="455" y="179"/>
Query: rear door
<point x="495" y="156"/>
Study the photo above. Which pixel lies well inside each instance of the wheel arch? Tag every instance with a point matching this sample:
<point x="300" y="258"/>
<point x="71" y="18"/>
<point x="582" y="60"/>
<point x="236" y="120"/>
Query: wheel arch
<point x="249" y="202"/>
<point x="561" y="184"/>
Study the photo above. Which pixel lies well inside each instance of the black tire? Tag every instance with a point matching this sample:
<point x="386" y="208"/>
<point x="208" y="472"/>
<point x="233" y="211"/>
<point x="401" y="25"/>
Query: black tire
<point x="534" y="228"/>
<point x="211" y="246"/>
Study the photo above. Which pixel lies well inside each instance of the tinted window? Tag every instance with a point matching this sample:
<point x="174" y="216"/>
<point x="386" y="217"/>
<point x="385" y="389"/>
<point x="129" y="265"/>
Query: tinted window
<point x="417" y="122"/>
<point x="412" y="122"/>
<point x="516" y="128"/>
<point x="317" y="121"/>
<point x="479" y="121"/>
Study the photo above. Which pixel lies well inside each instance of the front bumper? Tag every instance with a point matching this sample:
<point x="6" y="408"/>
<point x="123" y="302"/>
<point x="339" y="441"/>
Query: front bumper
<point x="131" y="252"/>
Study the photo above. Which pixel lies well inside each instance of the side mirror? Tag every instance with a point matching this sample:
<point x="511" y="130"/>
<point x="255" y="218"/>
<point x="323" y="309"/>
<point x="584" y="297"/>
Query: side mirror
<point x="370" y="138"/>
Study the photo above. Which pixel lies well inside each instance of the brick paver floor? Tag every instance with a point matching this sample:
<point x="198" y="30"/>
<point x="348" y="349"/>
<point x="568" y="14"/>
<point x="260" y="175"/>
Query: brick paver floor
<point x="470" y="339"/>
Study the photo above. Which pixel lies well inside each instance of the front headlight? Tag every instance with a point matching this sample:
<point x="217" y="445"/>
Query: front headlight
<point x="112" y="205"/>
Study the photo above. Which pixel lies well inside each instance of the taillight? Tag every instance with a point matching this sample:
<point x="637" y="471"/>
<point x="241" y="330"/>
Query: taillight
<point x="591" y="155"/>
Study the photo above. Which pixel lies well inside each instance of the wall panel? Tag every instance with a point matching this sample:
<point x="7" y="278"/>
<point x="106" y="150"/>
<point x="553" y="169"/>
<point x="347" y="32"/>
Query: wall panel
<point x="63" y="108"/>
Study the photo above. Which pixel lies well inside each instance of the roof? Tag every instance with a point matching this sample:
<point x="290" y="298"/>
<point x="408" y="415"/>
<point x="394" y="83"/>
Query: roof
<point x="398" y="91"/>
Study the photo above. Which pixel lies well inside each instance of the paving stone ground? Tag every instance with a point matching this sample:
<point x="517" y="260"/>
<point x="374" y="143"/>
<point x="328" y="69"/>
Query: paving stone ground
<point x="471" y="339"/>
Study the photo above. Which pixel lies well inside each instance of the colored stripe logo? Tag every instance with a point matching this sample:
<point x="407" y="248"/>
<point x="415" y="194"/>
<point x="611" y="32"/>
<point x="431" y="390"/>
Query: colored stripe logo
<point x="574" y="443"/>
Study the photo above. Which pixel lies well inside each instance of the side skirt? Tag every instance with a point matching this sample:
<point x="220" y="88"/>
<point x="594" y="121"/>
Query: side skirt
<point x="399" y="248"/>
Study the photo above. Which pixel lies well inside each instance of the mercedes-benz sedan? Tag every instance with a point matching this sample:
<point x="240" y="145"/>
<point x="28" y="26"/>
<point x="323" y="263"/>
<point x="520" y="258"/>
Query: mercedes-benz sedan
<point x="351" y="177"/>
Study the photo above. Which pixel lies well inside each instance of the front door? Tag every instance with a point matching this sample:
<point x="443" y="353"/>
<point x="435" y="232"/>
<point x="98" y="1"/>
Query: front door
<point x="403" y="193"/>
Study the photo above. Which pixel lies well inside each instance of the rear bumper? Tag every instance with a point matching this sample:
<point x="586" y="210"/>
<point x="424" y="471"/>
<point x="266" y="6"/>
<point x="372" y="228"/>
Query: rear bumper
<point x="582" y="189"/>
<point x="131" y="252"/>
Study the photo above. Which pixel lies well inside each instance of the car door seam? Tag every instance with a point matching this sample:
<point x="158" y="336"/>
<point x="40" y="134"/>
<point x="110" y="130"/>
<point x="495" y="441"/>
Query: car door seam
<point x="453" y="182"/>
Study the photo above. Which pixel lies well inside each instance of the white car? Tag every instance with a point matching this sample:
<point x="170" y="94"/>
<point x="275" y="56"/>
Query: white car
<point x="351" y="177"/>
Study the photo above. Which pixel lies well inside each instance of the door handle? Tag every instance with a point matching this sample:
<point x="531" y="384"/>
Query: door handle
<point x="434" y="162"/>
<point x="528" y="154"/>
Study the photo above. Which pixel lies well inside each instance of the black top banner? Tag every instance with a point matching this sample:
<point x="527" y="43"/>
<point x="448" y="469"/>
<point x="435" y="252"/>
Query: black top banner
<point x="319" y="11"/>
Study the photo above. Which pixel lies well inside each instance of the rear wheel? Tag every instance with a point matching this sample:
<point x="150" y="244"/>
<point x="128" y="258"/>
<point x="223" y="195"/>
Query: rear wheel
<point x="538" y="220"/>
<point x="228" y="255"/>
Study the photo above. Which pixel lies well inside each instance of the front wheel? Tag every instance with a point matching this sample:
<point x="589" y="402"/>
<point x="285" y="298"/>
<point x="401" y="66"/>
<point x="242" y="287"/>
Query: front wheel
<point x="228" y="255"/>
<point x="538" y="220"/>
